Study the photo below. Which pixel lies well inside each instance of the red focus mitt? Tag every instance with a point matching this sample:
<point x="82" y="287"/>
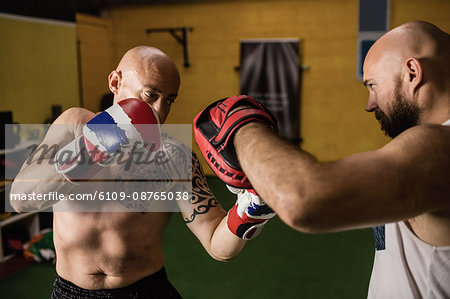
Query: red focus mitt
<point x="214" y="128"/>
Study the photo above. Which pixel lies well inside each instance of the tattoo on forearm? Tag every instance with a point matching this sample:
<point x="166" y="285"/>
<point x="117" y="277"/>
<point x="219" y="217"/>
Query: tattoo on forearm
<point x="202" y="199"/>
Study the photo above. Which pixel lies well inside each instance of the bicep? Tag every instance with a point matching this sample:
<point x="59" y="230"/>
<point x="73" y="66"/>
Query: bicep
<point x="405" y="178"/>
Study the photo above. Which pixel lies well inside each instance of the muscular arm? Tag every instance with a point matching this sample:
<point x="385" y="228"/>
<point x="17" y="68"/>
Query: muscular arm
<point x="38" y="173"/>
<point x="208" y="220"/>
<point x="407" y="177"/>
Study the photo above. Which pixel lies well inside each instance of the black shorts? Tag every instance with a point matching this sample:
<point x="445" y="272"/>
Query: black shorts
<point x="154" y="286"/>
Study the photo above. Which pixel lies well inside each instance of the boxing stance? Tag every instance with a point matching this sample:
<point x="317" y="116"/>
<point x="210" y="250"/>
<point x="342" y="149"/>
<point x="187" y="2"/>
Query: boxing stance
<point x="402" y="188"/>
<point x="119" y="254"/>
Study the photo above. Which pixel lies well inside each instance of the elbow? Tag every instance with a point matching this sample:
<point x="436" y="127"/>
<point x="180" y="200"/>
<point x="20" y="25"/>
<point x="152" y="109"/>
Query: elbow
<point x="14" y="204"/>
<point x="224" y="252"/>
<point x="22" y="198"/>
<point x="20" y="206"/>
<point x="13" y="201"/>
<point x="298" y="219"/>
<point x="222" y="258"/>
<point x="303" y="223"/>
<point x="302" y="213"/>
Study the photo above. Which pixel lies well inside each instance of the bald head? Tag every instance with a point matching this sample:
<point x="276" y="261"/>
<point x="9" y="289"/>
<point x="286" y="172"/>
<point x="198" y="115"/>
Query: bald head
<point x="418" y="39"/>
<point x="148" y="74"/>
<point x="145" y="60"/>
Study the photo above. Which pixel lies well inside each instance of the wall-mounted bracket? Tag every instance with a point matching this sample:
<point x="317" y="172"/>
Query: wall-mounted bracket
<point x="302" y="67"/>
<point x="183" y="39"/>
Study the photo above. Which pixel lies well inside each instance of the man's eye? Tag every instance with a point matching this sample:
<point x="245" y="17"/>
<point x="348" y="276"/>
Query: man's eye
<point x="170" y="101"/>
<point x="151" y="95"/>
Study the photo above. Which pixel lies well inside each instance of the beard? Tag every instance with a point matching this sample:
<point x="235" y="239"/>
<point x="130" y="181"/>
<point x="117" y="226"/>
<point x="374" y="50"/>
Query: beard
<point x="403" y="116"/>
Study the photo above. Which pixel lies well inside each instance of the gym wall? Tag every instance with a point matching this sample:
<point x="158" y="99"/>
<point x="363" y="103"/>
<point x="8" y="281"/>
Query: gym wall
<point x="333" y="120"/>
<point x="96" y="58"/>
<point x="38" y="58"/>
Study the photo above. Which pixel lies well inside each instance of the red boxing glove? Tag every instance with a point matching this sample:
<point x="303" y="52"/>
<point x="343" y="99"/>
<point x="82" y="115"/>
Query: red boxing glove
<point x="248" y="216"/>
<point x="119" y="128"/>
<point x="214" y="128"/>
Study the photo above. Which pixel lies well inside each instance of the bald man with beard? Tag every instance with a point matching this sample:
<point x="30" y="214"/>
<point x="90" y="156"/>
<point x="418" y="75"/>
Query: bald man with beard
<point x="119" y="254"/>
<point x="401" y="189"/>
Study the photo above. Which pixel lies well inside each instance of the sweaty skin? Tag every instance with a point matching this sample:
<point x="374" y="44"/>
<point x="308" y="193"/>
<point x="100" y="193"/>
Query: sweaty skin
<point x="115" y="249"/>
<point x="405" y="180"/>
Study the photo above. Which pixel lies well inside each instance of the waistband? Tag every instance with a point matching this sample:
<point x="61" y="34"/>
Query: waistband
<point x="66" y="289"/>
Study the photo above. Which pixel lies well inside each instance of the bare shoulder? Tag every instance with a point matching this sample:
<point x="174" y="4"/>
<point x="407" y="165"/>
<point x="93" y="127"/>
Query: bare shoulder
<point x="68" y="126"/>
<point x="430" y="131"/>
<point x="428" y="147"/>
<point x="75" y="115"/>
<point x="430" y="141"/>
<point x="422" y="156"/>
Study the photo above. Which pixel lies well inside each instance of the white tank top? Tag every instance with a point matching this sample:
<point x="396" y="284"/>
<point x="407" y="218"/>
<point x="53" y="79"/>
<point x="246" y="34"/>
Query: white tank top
<point x="407" y="267"/>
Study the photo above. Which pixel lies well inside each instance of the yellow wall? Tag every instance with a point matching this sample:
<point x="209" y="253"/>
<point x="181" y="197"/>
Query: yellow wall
<point x="434" y="11"/>
<point x="96" y="57"/>
<point x="39" y="59"/>
<point x="333" y="120"/>
<point x="39" y="68"/>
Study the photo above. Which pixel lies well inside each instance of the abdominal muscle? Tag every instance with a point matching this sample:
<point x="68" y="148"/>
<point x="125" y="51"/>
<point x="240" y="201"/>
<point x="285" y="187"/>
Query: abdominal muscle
<point x="108" y="250"/>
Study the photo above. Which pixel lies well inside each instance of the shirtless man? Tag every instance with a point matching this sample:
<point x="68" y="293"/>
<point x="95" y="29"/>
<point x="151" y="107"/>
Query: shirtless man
<point x="402" y="188"/>
<point x="119" y="254"/>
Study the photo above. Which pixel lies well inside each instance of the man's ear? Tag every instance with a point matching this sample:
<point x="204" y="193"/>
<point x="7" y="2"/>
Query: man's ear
<point x="414" y="74"/>
<point x="114" y="80"/>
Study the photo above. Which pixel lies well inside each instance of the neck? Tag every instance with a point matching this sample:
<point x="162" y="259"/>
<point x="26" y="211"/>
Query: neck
<point x="435" y="107"/>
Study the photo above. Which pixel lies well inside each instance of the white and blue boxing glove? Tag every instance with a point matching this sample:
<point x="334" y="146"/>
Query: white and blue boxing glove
<point x="250" y="213"/>
<point x="119" y="128"/>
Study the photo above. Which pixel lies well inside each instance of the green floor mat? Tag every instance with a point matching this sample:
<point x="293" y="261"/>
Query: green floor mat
<point x="33" y="282"/>
<point x="280" y="263"/>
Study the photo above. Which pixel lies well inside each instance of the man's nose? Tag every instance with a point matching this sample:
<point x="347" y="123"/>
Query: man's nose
<point x="371" y="105"/>
<point x="157" y="105"/>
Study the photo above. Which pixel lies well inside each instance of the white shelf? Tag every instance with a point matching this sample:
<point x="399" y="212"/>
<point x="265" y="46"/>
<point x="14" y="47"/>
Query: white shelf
<point x="16" y="218"/>
<point x="30" y="219"/>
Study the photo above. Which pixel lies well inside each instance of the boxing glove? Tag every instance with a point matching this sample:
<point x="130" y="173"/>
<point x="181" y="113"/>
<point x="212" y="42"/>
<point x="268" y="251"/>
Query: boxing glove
<point x="118" y="129"/>
<point x="214" y="129"/>
<point x="248" y="216"/>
